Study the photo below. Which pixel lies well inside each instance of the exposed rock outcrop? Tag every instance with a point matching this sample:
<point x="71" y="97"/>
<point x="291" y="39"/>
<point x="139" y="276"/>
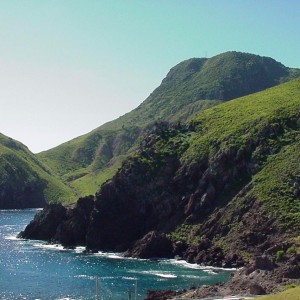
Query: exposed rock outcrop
<point x="45" y="223"/>
<point x="261" y="276"/>
<point x="56" y="223"/>
<point x="152" y="245"/>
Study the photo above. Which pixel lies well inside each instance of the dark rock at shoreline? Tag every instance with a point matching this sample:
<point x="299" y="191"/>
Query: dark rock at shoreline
<point x="206" y="254"/>
<point x="162" y="295"/>
<point x="72" y="232"/>
<point x="56" y="223"/>
<point x="152" y="245"/>
<point x="263" y="262"/>
<point x="45" y="223"/>
<point x="256" y="289"/>
<point x="260" y="277"/>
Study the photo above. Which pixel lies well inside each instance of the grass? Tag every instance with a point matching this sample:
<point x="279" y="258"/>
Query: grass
<point x="20" y="169"/>
<point x="90" y="183"/>
<point x="234" y="123"/>
<point x="273" y="186"/>
<point x="290" y="294"/>
<point x="186" y="233"/>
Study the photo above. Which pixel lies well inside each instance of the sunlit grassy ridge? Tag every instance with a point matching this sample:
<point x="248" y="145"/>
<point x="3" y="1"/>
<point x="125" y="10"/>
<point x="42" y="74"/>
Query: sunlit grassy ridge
<point x="237" y="122"/>
<point x="190" y="87"/>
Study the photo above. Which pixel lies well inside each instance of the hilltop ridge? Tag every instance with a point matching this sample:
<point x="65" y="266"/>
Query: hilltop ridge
<point x="193" y="85"/>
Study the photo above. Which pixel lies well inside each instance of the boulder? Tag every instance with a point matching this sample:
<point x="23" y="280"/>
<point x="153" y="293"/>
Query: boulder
<point x="161" y="295"/>
<point x="264" y="262"/>
<point x="152" y="245"/>
<point x="257" y="289"/>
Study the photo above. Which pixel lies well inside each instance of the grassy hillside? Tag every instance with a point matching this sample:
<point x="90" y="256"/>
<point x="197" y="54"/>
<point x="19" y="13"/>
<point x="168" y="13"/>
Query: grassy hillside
<point x="24" y="181"/>
<point x="290" y="294"/>
<point x="232" y="175"/>
<point x="256" y="146"/>
<point x="190" y="87"/>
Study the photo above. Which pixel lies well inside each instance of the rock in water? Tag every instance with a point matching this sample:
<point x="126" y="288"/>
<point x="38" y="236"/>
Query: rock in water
<point x="152" y="245"/>
<point x="45" y="223"/>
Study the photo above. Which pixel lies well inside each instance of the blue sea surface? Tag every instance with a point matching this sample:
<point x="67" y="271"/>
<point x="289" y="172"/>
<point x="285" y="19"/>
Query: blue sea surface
<point x="37" y="270"/>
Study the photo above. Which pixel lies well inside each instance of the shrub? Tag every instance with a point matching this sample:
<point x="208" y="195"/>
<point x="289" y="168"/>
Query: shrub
<point x="279" y="255"/>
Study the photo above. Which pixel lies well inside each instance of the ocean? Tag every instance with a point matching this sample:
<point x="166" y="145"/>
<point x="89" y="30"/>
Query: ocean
<point x="36" y="270"/>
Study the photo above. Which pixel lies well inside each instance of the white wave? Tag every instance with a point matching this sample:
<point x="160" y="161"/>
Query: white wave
<point x="115" y="256"/>
<point x="185" y="264"/>
<point x="156" y="273"/>
<point x="79" y="249"/>
<point x="58" y="247"/>
<point x="165" y="275"/>
<point x="50" y="246"/>
<point x="12" y="238"/>
<point x="209" y="271"/>
<point x="109" y="255"/>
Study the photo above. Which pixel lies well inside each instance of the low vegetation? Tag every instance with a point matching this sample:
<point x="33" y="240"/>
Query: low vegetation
<point x="292" y="293"/>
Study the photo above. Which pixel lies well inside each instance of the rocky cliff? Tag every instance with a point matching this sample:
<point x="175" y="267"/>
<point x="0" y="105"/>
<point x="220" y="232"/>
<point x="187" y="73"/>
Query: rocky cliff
<point x="219" y="190"/>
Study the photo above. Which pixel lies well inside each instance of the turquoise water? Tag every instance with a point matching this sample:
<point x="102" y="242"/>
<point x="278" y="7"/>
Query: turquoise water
<point x="35" y="270"/>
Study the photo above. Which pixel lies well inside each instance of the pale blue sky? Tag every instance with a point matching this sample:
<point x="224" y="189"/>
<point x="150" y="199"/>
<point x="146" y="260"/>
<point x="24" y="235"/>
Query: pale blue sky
<point x="68" y="66"/>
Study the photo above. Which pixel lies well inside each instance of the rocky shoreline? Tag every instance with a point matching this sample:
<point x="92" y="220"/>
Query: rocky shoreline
<point x="74" y="226"/>
<point x="262" y="274"/>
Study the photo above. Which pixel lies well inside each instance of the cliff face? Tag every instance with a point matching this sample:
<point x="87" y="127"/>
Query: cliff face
<point x="217" y="191"/>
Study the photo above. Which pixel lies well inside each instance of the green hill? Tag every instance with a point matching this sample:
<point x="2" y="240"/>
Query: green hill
<point x="24" y="181"/>
<point x="190" y="87"/>
<point x="221" y="190"/>
<point x="233" y="170"/>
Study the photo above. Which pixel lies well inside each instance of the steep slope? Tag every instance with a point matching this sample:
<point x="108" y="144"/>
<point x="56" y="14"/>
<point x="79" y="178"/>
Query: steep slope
<point x="235" y="159"/>
<point x="24" y="181"/>
<point x="191" y="86"/>
<point x="221" y="190"/>
<point x="229" y="179"/>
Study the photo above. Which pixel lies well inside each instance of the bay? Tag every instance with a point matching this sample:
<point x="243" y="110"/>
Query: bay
<point x="36" y="270"/>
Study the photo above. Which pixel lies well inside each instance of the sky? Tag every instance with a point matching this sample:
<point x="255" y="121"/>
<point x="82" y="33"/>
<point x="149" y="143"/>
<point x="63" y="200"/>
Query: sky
<point x="69" y="66"/>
